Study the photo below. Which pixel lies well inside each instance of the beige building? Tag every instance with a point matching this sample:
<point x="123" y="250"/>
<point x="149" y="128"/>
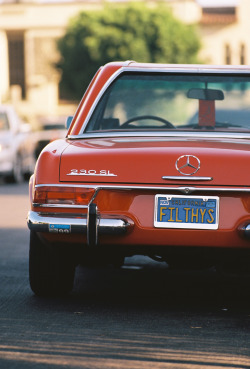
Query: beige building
<point x="224" y="31"/>
<point x="28" y="34"/>
<point x="29" y="30"/>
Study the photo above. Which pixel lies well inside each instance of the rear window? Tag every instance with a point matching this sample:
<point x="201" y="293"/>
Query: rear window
<point x="160" y="101"/>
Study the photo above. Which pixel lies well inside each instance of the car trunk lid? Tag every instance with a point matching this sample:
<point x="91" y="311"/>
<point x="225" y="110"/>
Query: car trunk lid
<point x="157" y="161"/>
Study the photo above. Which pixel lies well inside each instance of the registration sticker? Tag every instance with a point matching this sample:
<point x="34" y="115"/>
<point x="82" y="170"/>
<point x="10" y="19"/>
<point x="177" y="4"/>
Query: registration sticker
<point x="59" y="228"/>
<point x="189" y="212"/>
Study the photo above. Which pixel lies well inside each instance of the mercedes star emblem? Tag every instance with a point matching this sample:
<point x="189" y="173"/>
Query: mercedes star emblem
<point x="187" y="164"/>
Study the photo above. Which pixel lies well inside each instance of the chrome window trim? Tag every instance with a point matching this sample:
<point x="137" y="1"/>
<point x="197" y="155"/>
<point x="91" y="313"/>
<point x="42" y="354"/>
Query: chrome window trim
<point x="171" y="69"/>
<point x="150" y="134"/>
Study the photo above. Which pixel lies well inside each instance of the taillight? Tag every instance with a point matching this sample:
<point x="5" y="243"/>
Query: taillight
<point x="63" y="195"/>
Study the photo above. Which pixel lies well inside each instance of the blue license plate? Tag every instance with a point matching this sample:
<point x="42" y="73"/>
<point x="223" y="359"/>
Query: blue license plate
<point x="189" y="212"/>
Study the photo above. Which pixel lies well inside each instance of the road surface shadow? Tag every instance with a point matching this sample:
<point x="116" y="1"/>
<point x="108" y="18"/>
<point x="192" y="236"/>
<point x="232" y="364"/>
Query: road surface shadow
<point x="152" y="284"/>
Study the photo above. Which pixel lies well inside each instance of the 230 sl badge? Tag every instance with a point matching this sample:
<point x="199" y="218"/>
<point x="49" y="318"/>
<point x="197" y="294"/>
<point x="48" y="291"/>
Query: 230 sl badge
<point x="91" y="172"/>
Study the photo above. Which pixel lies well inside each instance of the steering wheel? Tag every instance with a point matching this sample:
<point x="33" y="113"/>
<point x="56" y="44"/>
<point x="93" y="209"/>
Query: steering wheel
<point x="142" y="117"/>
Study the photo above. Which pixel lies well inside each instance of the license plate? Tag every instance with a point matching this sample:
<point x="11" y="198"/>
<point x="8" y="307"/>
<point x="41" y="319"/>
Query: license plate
<point x="189" y="212"/>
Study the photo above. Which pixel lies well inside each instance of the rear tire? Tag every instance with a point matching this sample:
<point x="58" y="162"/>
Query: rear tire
<point x="51" y="270"/>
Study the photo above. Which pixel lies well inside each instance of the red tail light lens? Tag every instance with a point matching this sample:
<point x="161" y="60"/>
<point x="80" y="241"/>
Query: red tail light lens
<point x="63" y="195"/>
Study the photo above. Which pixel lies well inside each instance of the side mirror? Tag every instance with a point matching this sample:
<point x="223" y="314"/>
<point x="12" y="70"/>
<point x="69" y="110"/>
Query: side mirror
<point x="68" y="121"/>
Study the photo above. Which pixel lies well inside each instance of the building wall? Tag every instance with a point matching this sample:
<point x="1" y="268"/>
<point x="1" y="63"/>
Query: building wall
<point x="4" y="69"/>
<point x="40" y="25"/>
<point x="228" y="43"/>
<point x="187" y="11"/>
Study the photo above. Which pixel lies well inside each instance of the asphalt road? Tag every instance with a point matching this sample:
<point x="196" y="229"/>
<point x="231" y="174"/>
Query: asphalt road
<point x="141" y="316"/>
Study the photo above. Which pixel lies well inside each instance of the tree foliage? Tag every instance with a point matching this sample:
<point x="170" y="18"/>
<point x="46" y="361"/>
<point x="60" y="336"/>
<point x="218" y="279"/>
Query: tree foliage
<point x="118" y="33"/>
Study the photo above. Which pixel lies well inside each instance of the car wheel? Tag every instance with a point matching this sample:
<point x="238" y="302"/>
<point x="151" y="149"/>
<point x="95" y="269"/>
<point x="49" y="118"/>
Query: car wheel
<point x="50" y="272"/>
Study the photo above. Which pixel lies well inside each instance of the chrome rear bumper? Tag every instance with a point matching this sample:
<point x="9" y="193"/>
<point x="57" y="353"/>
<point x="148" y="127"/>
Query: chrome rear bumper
<point x="92" y="224"/>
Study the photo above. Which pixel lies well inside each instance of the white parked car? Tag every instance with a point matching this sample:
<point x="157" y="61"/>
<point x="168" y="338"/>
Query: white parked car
<point x="12" y="135"/>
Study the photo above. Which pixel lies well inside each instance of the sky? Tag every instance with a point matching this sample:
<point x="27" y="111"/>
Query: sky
<point x="212" y="3"/>
<point x="203" y="3"/>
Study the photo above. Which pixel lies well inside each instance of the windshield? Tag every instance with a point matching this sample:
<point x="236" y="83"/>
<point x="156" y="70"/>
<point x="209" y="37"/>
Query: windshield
<point x="157" y="101"/>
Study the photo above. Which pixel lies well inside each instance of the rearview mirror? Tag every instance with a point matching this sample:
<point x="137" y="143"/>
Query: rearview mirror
<point x="205" y="94"/>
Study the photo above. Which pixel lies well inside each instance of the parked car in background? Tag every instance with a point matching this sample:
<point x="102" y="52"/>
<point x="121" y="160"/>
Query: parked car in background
<point x="13" y="133"/>
<point x="44" y="130"/>
<point x="135" y="176"/>
<point x="48" y="130"/>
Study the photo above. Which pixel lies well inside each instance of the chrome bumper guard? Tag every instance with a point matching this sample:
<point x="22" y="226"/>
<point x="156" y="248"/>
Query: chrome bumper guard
<point x="92" y="224"/>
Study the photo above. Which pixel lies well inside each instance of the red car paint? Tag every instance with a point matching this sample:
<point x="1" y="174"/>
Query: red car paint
<point x="110" y="177"/>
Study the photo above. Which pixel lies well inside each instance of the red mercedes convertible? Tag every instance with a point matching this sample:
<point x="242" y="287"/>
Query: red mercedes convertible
<point x="156" y="162"/>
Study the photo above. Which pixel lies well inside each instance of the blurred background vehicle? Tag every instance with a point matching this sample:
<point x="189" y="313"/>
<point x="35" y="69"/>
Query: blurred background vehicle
<point x="48" y="129"/>
<point x="13" y="133"/>
<point x="43" y="130"/>
<point x="21" y="143"/>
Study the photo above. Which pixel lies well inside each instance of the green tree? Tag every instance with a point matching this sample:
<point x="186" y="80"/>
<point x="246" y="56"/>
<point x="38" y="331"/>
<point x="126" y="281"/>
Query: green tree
<point x="117" y="33"/>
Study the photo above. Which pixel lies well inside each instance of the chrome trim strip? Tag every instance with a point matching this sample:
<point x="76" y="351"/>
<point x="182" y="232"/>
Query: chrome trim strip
<point x="191" y="68"/>
<point x="41" y="222"/>
<point x="184" y="178"/>
<point x="66" y="206"/>
<point x="150" y="134"/>
<point x="148" y="188"/>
